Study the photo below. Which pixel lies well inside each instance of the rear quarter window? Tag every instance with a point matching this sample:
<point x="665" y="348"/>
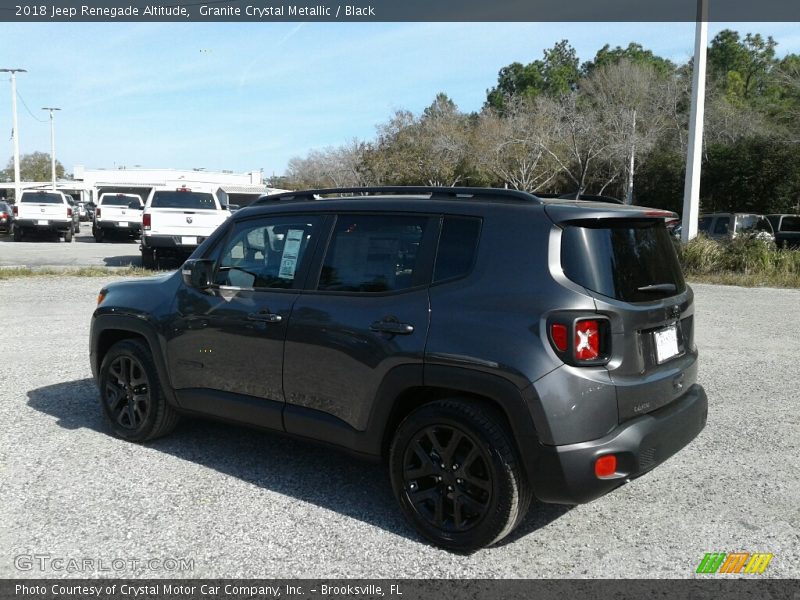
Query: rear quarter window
<point x="633" y="261"/>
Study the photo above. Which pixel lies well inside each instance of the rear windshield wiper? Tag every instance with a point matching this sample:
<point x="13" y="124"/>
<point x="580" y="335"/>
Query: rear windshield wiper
<point x="658" y="287"/>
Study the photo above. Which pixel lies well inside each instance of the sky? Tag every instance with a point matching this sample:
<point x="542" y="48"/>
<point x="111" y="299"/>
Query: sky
<point x="249" y="96"/>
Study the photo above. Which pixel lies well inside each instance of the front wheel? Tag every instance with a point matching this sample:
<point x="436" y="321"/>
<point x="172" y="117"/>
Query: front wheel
<point x="457" y="476"/>
<point x="131" y="396"/>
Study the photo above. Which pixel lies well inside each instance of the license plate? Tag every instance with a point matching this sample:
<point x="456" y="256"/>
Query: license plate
<point x="189" y="241"/>
<point x="123" y="223"/>
<point x="43" y="222"/>
<point x="666" y="343"/>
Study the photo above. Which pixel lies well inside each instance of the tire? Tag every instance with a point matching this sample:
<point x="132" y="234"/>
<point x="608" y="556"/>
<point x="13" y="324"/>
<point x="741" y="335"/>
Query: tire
<point x="18" y="234"/>
<point x="131" y="397"/>
<point x="78" y="227"/>
<point x="148" y="258"/>
<point x="99" y="235"/>
<point x="456" y="474"/>
<point x="68" y="235"/>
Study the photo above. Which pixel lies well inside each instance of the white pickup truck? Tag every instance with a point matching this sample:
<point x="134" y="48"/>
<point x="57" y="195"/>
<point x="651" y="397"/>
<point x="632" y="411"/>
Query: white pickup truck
<point x="43" y="210"/>
<point x="117" y="214"/>
<point x="177" y="219"/>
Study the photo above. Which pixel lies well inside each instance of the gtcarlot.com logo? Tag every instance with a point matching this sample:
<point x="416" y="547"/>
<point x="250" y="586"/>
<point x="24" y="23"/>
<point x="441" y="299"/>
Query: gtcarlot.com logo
<point x="60" y="564"/>
<point x="734" y="562"/>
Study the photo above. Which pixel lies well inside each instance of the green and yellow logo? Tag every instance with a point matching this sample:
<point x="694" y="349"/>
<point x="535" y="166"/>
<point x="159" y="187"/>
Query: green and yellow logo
<point x="735" y="562"/>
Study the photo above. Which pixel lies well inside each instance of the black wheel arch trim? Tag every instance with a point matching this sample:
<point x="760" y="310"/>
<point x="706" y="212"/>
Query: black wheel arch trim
<point x="136" y="325"/>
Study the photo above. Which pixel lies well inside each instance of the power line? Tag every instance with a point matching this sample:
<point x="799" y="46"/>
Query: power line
<point x="29" y="110"/>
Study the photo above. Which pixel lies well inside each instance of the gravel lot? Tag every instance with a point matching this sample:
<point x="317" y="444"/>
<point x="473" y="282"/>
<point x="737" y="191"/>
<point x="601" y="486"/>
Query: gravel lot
<point x="242" y="503"/>
<point x="46" y="251"/>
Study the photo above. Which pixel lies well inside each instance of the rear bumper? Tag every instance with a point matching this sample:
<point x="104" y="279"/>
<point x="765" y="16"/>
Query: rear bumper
<point x="565" y="474"/>
<point x="52" y="224"/>
<point x="133" y="227"/>
<point x="173" y="242"/>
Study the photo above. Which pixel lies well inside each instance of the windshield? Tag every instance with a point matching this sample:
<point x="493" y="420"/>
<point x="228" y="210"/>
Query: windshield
<point x="176" y="199"/>
<point x="42" y="198"/>
<point x="752" y="224"/>
<point x="119" y="200"/>
<point x="633" y="261"/>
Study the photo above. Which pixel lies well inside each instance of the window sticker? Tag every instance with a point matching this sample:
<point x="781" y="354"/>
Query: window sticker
<point x="291" y="248"/>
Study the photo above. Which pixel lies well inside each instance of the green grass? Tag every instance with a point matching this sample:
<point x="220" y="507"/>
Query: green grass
<point x="744" y="261"/>
<point x="74" y="272"/>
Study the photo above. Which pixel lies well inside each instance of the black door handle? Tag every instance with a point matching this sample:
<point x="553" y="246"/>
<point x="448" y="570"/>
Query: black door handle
<point x="265" y="316"/>
<point x="392" y="327"/>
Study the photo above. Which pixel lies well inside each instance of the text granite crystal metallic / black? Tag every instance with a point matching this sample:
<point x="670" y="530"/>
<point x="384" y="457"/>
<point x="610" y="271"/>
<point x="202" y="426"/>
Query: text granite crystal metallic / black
<point x="489" y="345"/>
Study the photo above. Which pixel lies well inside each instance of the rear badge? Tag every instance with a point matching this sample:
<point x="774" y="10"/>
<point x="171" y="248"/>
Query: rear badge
<point x="189" y="219"/>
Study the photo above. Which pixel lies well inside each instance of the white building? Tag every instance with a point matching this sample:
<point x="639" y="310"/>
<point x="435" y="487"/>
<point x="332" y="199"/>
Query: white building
<point x="88" y="184"/>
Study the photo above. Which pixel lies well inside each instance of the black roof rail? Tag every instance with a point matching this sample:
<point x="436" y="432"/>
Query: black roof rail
<point x="584" y="197"/>
<point x="477" y="193"/>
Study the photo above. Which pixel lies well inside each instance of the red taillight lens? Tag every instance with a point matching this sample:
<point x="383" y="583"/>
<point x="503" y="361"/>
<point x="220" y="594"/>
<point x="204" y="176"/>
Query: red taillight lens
<point x="605" y="466"/>
<point x="560" y="336"/>
<point x="146" y="220"/>
<point x="69" y="212"/>
<point x="97" y="212"/>
<point x="15" y="208"/>
<point x="587" y="340"/>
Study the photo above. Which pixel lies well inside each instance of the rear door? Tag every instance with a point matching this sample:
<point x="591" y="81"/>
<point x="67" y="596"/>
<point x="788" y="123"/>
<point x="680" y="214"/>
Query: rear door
<point x="366" y="315"/>
<point x="631" y="268"/>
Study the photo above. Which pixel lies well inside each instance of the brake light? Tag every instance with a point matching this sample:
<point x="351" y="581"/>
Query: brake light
<point x="183" y="189"/>
<point x="15" y="208"/>
<point x="146" y="219"/>
<point x="558" y="332"/>
<point x="3" y="214"/>
<point x="69" y="211"/>
<point x="587" y="340"/>
<point x="97" y="212"/>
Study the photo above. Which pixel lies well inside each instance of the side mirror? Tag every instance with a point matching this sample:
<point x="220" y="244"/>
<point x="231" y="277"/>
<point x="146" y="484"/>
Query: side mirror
<point x="233" y="207"/>
<point x="197" y="273"/>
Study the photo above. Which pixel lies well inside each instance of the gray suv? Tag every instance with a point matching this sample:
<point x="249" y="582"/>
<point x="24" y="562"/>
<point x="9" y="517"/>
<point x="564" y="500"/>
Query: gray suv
<point x="489" y="345"/>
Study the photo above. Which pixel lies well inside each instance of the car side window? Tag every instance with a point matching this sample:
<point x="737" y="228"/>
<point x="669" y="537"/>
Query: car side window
<point x="458" y="243"/>
<point x="721" y="226"/>
<point x="265" y="254"/>
<point x="704" y="224"/>
<point x="373" y="253"/>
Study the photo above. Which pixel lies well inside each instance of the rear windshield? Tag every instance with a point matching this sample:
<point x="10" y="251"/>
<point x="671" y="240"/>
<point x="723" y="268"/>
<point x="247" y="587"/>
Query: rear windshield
<point x="119" y="200"/>
<point x="633" y="261"/>
<point x="790" y="224"/>
<point x="752" y="224"/>
<point x="42" y="198"/>
<point x="169" y="199"/>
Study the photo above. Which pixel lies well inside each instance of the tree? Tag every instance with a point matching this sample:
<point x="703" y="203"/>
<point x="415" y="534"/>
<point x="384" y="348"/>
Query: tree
<point x="34" y="167"/>
<point x="555" y="75"/>
<point x="634" y="53"/>
<point x="742" y="68"/>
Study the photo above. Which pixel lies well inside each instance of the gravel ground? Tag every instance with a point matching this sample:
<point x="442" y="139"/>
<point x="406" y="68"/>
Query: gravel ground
<point x="47" y="251"/>
<point x="242" y="503"/>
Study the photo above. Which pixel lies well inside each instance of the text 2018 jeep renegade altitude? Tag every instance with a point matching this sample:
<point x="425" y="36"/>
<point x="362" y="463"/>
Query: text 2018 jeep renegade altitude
<point x="492" y="346"/>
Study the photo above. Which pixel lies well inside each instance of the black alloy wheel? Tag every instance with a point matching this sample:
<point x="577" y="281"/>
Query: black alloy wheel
<point x="447" y="477"/>
<point x="127" y="392"/>
<point x="456" y="474"/>
<point x="131" y="396"/>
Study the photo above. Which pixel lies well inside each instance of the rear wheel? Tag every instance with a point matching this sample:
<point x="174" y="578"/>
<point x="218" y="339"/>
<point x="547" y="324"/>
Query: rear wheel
<point x="18" y="234"/>
<point x="131" y="396"/>
<point x="148" y="258"/>
<point x="99" y="235"/>
<point x="68" y="235"/>
<point x="457" y="476"/>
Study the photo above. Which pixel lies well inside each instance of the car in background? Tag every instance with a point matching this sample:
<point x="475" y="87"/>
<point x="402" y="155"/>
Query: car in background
<point x="76" y="219"/>
<point x="787" y="230"/>
<point x="83" y="214"/>
<point x="6" y="217"/>
<point x="727" y="226"/>
<point x="117" y="214"/>
<point x="43" y="211"/>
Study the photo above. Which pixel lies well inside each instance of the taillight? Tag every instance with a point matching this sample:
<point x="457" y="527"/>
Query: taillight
<point x="15" y="208"/>
<point x="558" y="331"/>
<point x="97" y="212"/>
<point x="605" y="466"/>
<point x="69" y="211"/>
<point x="587" y="339"/>
<point x="146" y="220"/>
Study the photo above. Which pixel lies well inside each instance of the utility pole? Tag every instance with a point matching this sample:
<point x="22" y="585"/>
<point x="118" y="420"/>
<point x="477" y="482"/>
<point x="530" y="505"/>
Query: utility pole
<point x="14" y="133"/>
<point x="52" y="143"/>
<point x="691" y="186"/>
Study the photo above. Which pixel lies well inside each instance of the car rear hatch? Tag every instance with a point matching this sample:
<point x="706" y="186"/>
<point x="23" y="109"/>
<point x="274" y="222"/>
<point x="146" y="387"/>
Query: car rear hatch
<point x="625" y="259"/>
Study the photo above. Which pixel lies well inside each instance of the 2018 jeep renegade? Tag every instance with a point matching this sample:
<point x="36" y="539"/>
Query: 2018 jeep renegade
<point x="492" y="346"/>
